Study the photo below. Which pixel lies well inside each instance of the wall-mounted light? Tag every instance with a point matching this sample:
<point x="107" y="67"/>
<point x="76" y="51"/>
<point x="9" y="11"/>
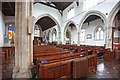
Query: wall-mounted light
<point x="10" y="25"/>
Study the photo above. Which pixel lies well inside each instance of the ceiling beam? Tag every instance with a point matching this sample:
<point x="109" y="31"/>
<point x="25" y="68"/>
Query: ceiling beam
<point x="47" y="4"/>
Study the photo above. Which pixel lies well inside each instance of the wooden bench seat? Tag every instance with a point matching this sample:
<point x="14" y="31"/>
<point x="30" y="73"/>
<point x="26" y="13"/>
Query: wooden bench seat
<point x="92" y="62"/>
<point x="7" y="53"/>
<point x="80" y="67"/>
<point x="56" y="58"/>
<point x="55" y="70"/>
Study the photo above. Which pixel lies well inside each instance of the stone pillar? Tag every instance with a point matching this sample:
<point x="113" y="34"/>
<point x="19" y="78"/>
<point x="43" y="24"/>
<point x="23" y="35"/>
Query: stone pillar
<point x="59" y="38"/>
<point x="78" y="42"/>
<point x="23" y="40"/>
<point x="109" y="38"/>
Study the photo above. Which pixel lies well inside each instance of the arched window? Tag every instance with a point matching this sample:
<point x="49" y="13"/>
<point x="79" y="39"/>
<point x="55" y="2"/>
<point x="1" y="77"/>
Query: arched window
<point x="36" y="31"/>
<point x="82" y="35"/>
<point x="99" y="33"/>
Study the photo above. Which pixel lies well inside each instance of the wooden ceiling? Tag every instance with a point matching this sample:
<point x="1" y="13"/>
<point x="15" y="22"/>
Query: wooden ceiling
<point x="46" y="23"/>
<point x="92" y="18"/>
<point x="8" y="8"/>
<point x="57" y="5"/>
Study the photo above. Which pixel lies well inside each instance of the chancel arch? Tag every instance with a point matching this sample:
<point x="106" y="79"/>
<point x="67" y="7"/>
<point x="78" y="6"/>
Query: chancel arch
<point x="70" y="33"/>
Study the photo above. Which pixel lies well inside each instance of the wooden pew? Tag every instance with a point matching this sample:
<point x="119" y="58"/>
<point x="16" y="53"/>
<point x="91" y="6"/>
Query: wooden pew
<point x="80" y="67"/>
<point x="92" y="62"/>
<point x="109" y="55"/>
<point x="55" y="70"/>
<point x="57" y="58"/>
<point x="3" y="57"/>
<point x="7" y="52"/>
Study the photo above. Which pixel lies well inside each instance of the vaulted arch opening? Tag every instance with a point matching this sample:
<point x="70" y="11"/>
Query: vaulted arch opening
<point x="44" y="23"/>
<point x="92" y="31"/>
<point x="70" y="34"/>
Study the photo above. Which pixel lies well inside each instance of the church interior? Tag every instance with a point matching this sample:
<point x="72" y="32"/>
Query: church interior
<point x="60" y="39"/>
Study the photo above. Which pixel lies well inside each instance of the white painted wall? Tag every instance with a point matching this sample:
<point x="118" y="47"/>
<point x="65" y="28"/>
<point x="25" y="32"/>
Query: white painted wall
<point x="90" y="30"/>
<point x="2" y="30"/>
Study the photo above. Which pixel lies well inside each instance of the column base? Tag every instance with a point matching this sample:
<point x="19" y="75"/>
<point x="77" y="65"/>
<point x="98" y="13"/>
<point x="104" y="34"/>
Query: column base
<point x="15" y="72"/>
<point x="23" y="73"/>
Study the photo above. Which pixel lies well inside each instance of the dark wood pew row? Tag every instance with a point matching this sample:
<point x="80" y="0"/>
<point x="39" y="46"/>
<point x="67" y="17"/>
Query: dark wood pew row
<point x="80" y="67"/>
<point x="109" y="55"/>
<point x="56" y="58"/>
<point x="3" y="57"/>
<point x="49" y="54"/>
<point x="55" y="70"/>
<point x="45" y="49"/>
<point x="36" y="56"/>
<point x="7" y="53"/>
<point x="75" y="67"/>
<point x="84" y="49"/>
<point x="92" y="62"/>
<point x="52" y="55"/>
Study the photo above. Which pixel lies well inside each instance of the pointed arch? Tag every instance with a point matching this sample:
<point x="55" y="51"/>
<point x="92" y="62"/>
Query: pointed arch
<point x="58" y="25"/>
<point x="89" y="13"/>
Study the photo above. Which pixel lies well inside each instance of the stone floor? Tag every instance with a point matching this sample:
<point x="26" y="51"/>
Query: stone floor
<point x="109" y="70"/>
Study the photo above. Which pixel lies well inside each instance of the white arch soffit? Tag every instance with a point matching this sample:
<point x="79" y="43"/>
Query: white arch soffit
<point x="113" y="13"/>
<point x="43" y="15"/>
<point x="92" y="12"/>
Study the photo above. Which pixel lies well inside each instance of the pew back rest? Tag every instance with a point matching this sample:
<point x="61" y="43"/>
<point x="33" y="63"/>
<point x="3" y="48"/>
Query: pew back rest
<point x="55" y="70"/>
